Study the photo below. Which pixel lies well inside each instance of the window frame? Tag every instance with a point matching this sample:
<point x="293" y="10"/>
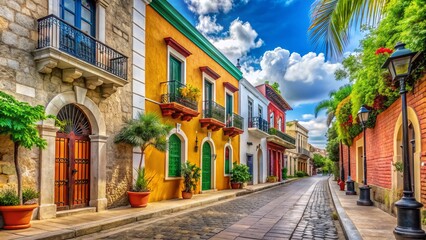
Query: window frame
<point x="184" y="151"/>
<point x="175" y="54"/>
<point x="78" y="15"/>
<point x="250" y="109"/>
<point x="272" y="119"/>
<point x="180" y="158"/>
<point x="231" y="151"/>
<point x="231" y="94"/>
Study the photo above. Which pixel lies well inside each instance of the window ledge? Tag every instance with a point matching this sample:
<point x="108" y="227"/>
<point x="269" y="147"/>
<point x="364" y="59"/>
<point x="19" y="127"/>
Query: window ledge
<point x="173" y="178"/>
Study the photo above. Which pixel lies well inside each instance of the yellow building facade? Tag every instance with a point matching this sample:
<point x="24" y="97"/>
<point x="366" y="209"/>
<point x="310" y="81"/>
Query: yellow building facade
<point x="178" y="60"/>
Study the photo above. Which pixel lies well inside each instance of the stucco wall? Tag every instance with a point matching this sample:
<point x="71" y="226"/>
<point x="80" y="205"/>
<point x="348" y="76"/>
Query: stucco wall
<point x="245" y="137"/>
<point x="156" y="73"/>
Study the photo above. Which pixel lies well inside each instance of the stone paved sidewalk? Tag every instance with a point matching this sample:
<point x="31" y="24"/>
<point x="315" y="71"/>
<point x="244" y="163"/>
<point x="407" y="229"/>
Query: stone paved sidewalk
<point x="361" y="222"/>
<point x="83" y="224"/>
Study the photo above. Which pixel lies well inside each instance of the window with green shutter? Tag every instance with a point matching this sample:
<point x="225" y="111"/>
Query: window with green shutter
<point x="174" y="156"/>
<point x="227" y="160"/>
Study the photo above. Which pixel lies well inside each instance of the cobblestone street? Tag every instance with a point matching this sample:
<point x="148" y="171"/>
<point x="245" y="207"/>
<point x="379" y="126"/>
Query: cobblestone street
<point x="298" y="210"/>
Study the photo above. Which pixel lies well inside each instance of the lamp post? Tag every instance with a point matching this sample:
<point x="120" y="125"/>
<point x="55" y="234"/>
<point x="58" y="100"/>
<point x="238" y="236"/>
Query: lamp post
<point x="350" y="188"/>
<point x="408" y="214"/>
<point x="364" y="191"/>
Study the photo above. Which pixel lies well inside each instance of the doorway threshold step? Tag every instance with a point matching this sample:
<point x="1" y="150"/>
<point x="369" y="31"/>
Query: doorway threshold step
<point x="76" y="211"/>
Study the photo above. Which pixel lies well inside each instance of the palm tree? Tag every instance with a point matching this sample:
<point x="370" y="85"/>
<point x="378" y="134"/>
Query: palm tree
<point x="330" y="105"/>
<point x="144" y="131"/>
<point x="332" y="20"/>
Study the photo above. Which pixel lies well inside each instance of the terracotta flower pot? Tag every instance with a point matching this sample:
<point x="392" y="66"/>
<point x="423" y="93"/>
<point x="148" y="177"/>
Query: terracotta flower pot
<point x="186" y="195"/>
<point x="17" y="217"/>
<point x="235" y="185"/>
<point x="138" y="199"/>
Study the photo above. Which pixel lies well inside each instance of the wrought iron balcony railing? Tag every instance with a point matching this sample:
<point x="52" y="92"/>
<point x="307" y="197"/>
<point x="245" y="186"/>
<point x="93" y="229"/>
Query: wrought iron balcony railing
<point x="174" y="94"/>
<point x="56" y="33"/>
<point x="304" y="151"/>
<point x="282" y="135"/>
<point x="214" y="110"/>
<point x="259" y="123"/>
<point x="235" y="120"/>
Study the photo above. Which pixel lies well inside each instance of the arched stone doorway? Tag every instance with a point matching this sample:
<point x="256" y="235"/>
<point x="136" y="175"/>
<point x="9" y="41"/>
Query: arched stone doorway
<point x="414" y="149"/>
<point x="98" y="138"/>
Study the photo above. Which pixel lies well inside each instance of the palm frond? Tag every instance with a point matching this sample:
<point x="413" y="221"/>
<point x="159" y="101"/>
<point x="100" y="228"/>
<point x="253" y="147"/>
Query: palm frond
<point x="147" y="129"/>
<point x="323" y="105"/>
<point x="332" y="20"/>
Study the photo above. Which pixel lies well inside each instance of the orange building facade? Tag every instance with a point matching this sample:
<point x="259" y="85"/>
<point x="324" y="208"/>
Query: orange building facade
<point x="181" y="64"/>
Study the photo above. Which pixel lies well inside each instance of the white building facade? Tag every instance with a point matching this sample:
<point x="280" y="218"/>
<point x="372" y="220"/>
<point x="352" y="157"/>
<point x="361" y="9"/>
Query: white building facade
<point x="253" y="106"/>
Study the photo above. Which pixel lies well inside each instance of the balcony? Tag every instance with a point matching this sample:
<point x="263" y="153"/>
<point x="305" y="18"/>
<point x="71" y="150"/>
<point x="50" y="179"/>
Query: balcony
<point x="305" y="153"/>
<point x="258" y="127"/>
<point x="61" y="45"/>
<point x="213" y="116"/>
<point x="280" y="138"/>
<point x="174" y="104"/>
<point x="234" y="125"/>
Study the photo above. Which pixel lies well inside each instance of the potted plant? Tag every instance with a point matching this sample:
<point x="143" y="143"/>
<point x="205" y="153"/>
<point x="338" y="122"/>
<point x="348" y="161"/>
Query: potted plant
<point x="9" y="200"/>
<point x="18" y="121"/>
<point x="191" y="175"/>
<point x="145" y="131"/>
<point x="190" y="93"/>
<point x="239" y="175"/>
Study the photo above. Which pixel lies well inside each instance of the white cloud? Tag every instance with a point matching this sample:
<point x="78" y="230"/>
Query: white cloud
<point x="207" y="25"/>
<point x="307" y="116"/>
<point x="238" y="41"/>
<point x="302" y="79"/>
<point x="317" y="129"/>
<point x="203" y="7"/>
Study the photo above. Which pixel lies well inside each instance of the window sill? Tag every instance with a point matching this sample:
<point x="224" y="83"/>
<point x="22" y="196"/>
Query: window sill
<point x="173" y="178"/>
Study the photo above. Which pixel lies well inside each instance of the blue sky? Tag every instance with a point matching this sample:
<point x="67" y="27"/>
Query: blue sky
<point x="271" y="39"/>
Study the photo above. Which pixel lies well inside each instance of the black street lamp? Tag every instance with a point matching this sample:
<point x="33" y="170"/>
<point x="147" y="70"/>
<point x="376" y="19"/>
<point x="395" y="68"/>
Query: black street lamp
<point x="364" y="191"/>
<point x="408" y="214"/>
<point x="350" y="188"/>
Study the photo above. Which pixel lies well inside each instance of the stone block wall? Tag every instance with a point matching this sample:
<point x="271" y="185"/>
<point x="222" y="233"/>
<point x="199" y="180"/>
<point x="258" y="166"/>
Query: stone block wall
<point x="19" y="77"/>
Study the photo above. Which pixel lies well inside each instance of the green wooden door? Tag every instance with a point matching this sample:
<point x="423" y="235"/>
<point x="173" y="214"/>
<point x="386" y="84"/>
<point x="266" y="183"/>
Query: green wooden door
<point x="207" y="167"/>
<point x="174" y="156"/>
<point x="175" y="76"/>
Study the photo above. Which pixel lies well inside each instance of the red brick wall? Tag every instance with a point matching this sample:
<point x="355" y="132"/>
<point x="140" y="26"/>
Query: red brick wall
<point x="380" y="142"/>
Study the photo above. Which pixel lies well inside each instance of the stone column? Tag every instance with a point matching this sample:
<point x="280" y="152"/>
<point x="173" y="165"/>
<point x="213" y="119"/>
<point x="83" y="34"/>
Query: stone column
<point x="98" y="172"/>
<point x="297" y="166"/>
<point x="47" y="208"/>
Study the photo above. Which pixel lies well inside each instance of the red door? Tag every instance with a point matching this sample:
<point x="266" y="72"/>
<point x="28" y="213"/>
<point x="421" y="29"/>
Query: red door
<point x="72" y="160"/>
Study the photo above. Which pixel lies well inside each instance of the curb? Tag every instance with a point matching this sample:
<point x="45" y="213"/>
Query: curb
<point x="109" y="223"/>
<point x="349" y="228"/>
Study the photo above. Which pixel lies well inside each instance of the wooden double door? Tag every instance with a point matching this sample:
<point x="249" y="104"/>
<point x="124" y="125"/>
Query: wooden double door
<point x="72" y="160"/>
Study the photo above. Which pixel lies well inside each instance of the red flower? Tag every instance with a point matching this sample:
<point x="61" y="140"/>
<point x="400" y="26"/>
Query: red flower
<point x="383" y="50"/>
